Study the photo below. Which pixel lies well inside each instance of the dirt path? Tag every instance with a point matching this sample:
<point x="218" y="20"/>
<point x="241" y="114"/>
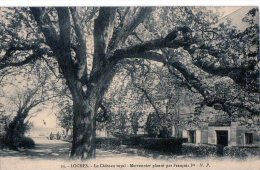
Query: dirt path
<point x="44" y="149"/>
<point x="54" y="155"/>
<point x="53" y="150"/>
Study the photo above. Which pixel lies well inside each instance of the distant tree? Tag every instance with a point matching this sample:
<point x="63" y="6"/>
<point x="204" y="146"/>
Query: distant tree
<point x="65" y="117"/>
<point x="153" y="125"/>
<point x="135" y="117"/>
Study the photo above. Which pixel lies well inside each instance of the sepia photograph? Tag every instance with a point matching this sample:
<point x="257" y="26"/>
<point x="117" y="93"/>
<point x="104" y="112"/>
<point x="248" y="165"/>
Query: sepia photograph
<point x="129" y="87"/>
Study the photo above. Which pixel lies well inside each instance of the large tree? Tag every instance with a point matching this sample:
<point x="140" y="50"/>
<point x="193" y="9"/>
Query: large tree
<point x="177" y="37"/>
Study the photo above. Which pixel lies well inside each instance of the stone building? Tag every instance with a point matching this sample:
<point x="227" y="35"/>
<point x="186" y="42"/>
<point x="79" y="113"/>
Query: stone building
<point x="226" y="133"/>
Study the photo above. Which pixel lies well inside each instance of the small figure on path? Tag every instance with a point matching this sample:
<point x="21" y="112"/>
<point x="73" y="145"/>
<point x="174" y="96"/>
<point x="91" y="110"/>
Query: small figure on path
<point x="58" y="136"/>
<point x="51" y="136"/>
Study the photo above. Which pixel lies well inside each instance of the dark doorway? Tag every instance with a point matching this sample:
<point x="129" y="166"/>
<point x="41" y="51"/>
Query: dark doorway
<point x="249" y="138"/>
<point x="192" y="136"/>
<point x="222" y="137"/>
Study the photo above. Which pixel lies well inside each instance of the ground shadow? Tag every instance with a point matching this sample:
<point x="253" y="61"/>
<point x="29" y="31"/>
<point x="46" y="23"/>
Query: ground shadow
<point x="41" y="151"/>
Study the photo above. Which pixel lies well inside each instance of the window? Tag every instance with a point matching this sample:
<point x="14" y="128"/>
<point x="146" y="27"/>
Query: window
<point x="248" y="138"/>
<point x="192" y="136"/>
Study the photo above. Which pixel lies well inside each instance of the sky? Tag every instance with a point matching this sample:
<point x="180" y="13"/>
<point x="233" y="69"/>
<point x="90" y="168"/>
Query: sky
<point x="48" y="116"/>
<point x="228" y="9"/>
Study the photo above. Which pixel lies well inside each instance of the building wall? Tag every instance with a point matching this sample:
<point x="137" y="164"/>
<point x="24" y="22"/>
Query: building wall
<point x="174" y="133"/>
<point x="236" y="135"/>
<point x="184" y="133"/>
<point x="177" y="132"/>
<point x="241" y="136"/>
<point x="198" y="135"/>
<point x="233" y="134"/>
<point x="204" y="135"/>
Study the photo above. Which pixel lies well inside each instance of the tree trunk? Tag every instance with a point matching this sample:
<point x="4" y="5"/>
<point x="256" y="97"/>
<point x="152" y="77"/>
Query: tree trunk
<point x="85" y="106"/>
<point x="83" y="128"/>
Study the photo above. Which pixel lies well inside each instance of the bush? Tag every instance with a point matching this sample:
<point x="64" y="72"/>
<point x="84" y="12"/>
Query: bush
<point x="172" y="145"/>
<point x="67" y="138"/>
<point x="152" y="125"/>
<point x="107" y="142"/>
<point x="164" y="133"/>
<point x="133" y="140"/>
<point x="241" y="152"/>
<point x="19" y="142"/>
<point x="199" y="150"/>
<point x="2" y="141"/>
<point x="184" y="140"/>
<point x="25" y="142"/>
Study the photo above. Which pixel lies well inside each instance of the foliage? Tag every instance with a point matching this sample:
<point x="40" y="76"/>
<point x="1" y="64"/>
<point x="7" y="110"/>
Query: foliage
<point x="65" y="115"/>
<point x="19" y="142"/>
<point x="107" y="143"/>
<point x="204" y="150"/>
<point x="241" y="152"/>
<point x="170" y="145"/>
<point x="26" y="142"/>
<point x="153" y="125"/>
<point x="119" y="127"/>
<point x="133" y="140"/>
<point x="135" y="121"/>
<point x="199" y="151"/>
<point x="156" y="126"/>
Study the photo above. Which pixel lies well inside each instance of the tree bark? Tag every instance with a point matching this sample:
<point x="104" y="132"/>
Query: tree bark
<point x="83" y="127"/>
<point x="85" y="106"/>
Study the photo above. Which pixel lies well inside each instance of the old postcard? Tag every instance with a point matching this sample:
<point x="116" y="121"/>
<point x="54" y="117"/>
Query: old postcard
<point x="129" y="86"/>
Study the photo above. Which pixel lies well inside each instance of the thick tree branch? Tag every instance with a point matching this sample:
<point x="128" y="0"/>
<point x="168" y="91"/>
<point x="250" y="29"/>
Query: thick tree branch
<point x="45" y="24"/>
<point x="239" y="74"/>
<point x="245" y="76"/>
<point x="210" y="98"/>
<point x="103" y="27"/>
<point x="27" y="60"/>
<point x="36" y="54"/>
<point x="65" y="58"/>
<point x="81" y="48"/>
<point x="170" y="41"/>
<point x="128" y="25"/>
<point x="12" y="48"/>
